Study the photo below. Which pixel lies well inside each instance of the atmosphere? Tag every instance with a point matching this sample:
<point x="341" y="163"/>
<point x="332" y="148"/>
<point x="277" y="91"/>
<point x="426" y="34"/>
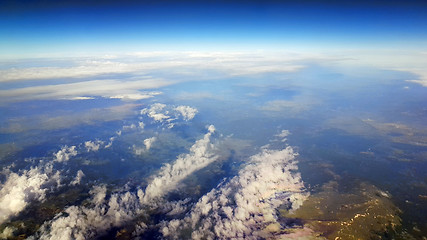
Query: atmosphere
<point x="213" y="120"/>
<point x="48" y="27"/>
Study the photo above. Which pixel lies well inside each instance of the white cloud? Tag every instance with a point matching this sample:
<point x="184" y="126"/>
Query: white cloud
<point x="168" y="114"/>
<point x="78" y="178"/>
<point x="156" y="112"/>
<point x="80" y="222"/>
<point x="93" y="146"/>
<point x="187" y="112"/>
<point x="105" y="212"/>
<point x="148" y="142"/>
<point x="135" y="96"/>
<point x="22" y="188"/>
<point x="128" y="127"/>
<point x="7" y="233"/>
<point x="110" y="143"/>
<point x="80" y="98"/>
<point x="283" y="134"/>
<point x="246" y="205"/>
<point x="65" y="153"/>
<point x="422" y="76"/>
<point x="232" y="63"/>
<point x="201" y="154"/>
<point x="138" y="150"/>
<point x="128" y="90"/>
<point x="147" y="145"/>
<point x="137" y="70"/>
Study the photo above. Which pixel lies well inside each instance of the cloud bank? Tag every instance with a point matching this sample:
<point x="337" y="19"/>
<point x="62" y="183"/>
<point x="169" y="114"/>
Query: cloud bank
<point x="245" y="206"/>
<point x="127" y="90"/>
<point x="89" y="78"/>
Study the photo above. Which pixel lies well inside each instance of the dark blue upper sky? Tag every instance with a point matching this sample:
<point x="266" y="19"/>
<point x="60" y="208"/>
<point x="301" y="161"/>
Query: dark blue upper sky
<point x="28" y="27"/>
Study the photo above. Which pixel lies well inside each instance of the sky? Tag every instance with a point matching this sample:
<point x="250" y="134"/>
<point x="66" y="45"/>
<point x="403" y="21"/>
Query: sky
<point x="46" y="28"/>
<point x="187" y="107"/>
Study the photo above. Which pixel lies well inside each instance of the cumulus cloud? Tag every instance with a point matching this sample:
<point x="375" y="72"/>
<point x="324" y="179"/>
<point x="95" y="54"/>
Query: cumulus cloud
<point x="7" y="232"/>
<point x="246" y="205"/>
<point x="148" y="142"/>
<point x="20" y="189"/>
<point x="80" y="222"/>
<point x="201" y="154"/>
<point x="156" y="112"/>
<point x="93" y="146"/>
<point x="187" y="112"/>
<point x="147" y="145"/>
<point x="105" y="212"/>
<point x="110" y="143"/>
<point x="65" y="153"/>
<point x="78" y="178"/>
<point x="283" y="134"/>
<point x="169" y="115"/>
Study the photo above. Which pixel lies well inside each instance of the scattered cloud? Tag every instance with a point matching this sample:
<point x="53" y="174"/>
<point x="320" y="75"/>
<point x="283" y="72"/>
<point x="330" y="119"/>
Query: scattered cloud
<point x="283" y="134"/>
<point x="156" y="112"/>
<point x="80" y="222"/>
<point x="20" y="189"/>
<point x="105" y="212"/>
<point x="129" y="127"/>
<point x="78" y="178"/>
<point x="245" y="206"/>
<point x="162" y="113"/>
<point x="111" y="142"/>
<point x="65" y="153"/>
<point x="147" y="145"/>
<point x="148" y="142"/>
<point x="93" y="146"/>
<point x="201" y="154"/>
<point x="7" y="233"/>
<point x="187" y="112"/>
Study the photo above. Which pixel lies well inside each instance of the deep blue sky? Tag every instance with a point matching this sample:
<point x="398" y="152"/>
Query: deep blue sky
<point x="35" y="27"/>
